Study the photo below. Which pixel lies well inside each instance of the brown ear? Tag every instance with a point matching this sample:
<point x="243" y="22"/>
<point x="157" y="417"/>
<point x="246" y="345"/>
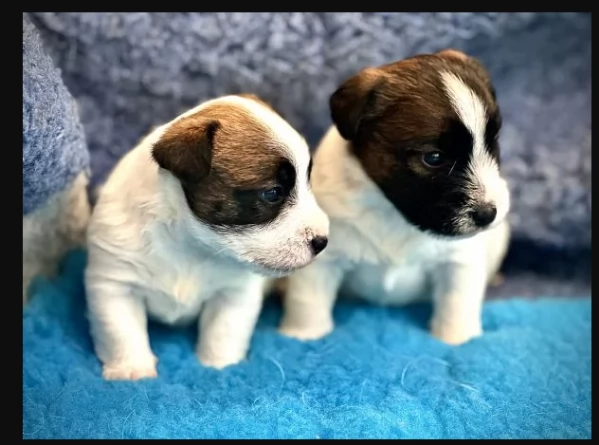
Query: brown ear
<point x="354" y="101"/>
<point x="185" y="148"/>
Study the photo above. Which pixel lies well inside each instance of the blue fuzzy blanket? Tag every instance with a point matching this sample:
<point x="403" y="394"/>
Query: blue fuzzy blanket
<point x="379" y="375"/>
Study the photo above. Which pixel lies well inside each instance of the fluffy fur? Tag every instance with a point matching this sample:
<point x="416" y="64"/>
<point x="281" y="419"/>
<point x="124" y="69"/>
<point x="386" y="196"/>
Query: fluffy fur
<point x="403" y="228"/>
<point x="53" y="229"/>
<point x="154" y="249"/>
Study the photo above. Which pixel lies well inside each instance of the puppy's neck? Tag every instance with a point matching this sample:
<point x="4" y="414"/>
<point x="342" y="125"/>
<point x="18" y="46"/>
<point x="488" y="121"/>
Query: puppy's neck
<point x="374" y="206"/>
<point x="348" y="192"/>
<point x="352" y="198"/>
<point x="176" y="223"/>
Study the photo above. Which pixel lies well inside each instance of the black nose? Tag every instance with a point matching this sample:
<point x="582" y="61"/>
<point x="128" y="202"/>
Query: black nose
<point x="318" y="244"/>
<point x="484" y="215"/>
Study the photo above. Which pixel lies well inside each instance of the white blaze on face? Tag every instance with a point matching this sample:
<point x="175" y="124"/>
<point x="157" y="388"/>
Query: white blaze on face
<point x="285" y="242"/>
<point x="487" y="184"/>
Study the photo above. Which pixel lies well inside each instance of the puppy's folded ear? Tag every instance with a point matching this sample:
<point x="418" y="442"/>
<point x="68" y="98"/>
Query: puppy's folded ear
<point x="354" y="101"/>
<point x="185" y="148"/>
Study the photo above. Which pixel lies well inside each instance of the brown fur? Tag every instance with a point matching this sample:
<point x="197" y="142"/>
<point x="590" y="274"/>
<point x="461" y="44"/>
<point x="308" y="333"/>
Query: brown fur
<point x="404" y="102"/>
<point x="221" y="156"/>
<point x="396" y="115"/>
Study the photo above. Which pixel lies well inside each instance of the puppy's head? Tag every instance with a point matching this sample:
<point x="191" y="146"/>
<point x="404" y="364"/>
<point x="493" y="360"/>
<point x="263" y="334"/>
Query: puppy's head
<point x="425" y="130"/>
<point x="245" y="174"/>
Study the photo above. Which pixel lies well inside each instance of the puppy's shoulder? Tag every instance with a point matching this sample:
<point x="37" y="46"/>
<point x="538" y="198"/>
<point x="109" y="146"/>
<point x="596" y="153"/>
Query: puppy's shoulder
<point x="338" y="180"/>
<point x="128" y="198"/>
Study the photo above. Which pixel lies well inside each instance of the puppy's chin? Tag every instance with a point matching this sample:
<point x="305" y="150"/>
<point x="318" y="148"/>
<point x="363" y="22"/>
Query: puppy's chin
<point x="456" y="235"/>
<point x="273" y="270"/>
<point x="248" y="251"/>
<point x="461" y="231"/>
<point x="265" y="265"/>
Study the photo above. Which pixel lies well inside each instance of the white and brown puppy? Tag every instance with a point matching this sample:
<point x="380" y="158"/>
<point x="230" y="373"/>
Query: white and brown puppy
<point x="409" y="177"/>
<point x="189" y="225"/>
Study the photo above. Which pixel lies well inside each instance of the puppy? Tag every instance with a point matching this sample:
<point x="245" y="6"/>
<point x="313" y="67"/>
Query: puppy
<point x="409" y="177"/>
<point x="190" y="225"/>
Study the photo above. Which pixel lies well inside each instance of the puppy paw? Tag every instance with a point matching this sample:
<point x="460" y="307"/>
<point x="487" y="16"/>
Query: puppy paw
<point x="455" y="335"/>
<point x="308" y="332"/>
<point x="219" y="361"/>
<point x="130" y="370"/>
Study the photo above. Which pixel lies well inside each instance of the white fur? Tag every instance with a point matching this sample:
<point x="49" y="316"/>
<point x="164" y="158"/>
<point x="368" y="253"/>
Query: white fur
<point x="51" y="230"/>
<point x="374" y="253"/>
<point x="487" y="184"/>
<point x="148" y="255"/>
<point x="283" y="243"/>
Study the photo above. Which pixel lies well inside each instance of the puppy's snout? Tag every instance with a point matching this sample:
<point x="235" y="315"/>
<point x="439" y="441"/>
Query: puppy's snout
<point x="484" y="214"/>
<point x="318" y="243"/>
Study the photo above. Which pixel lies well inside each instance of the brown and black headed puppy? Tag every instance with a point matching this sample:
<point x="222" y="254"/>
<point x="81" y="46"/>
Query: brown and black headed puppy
<point x="409" y="177"/>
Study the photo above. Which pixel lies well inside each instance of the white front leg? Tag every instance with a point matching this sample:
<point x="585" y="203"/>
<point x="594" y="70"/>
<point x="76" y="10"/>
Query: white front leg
<point x="458" y="294"/>
<point x="308" y="302"/>
<point x="226" y="326"/>
<point x="118" y="323"/>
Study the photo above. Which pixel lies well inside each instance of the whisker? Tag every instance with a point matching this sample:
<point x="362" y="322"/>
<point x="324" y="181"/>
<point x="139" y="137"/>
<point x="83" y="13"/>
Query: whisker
<point x="452" y="167"/>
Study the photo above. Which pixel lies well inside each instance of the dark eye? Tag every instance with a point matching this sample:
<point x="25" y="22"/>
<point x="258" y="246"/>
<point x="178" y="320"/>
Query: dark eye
<point x="433" y="159"/>
<point x="273" y="195"/>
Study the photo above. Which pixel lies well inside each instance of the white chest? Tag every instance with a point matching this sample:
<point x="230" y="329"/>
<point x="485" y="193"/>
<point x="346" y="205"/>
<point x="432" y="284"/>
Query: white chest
<point x="175" y="294"/>
<point x="175" y="280"/>
<point x="386" y="259"/>
<point x="390" y="267"/>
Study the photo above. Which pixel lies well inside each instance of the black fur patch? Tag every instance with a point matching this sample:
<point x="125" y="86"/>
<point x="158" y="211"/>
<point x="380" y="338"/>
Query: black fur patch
<point x="225" y="159"/>
<point x="395" y="114"/>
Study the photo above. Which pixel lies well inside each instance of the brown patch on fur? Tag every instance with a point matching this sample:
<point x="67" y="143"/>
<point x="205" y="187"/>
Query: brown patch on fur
<point x="223" y="156"/>
<point x="393" y="115"/>
<point x="385" y="107"/>
<point x="173" y="151"/>
<point x="353" y="101"/>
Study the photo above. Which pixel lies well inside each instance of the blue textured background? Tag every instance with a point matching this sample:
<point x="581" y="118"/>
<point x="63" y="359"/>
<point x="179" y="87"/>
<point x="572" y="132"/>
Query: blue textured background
<point x="379" y="375"/>
<point x="54" y="149"/>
